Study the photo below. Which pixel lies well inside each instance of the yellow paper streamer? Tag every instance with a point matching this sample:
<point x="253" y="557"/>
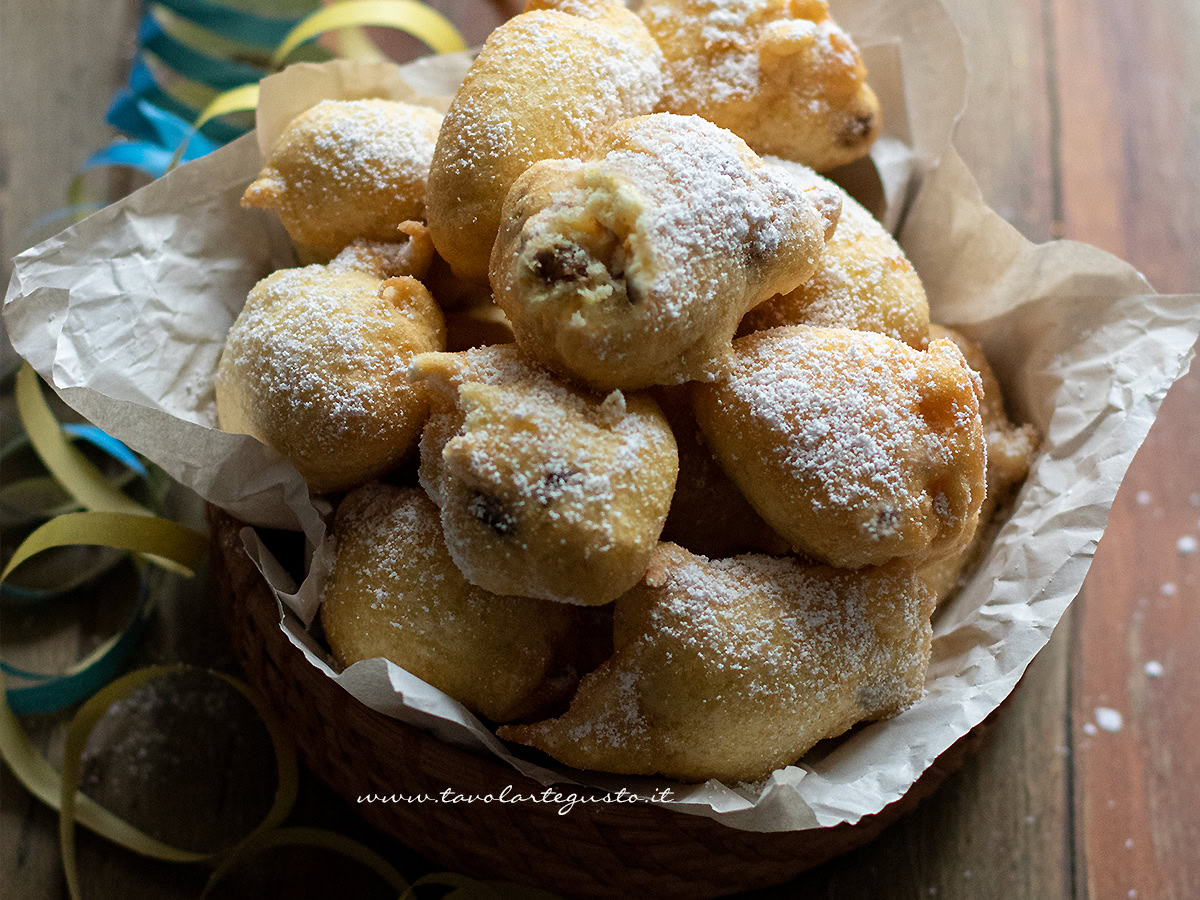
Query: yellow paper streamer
<point x="120" y="831"/>
<point x="422" y="22"/>
<point x="238" y="99"/>
<point x="85" y="483"/>
<point x="72" y="469"/>
<point x="148" y="534"/>
<point x="353" y="43"/>
<point x="178" y="87"/>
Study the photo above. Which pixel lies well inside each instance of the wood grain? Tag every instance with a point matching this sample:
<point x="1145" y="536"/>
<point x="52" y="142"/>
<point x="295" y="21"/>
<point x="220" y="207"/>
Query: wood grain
<point x="1130" y="149"/>
<point x="61" y="61"/>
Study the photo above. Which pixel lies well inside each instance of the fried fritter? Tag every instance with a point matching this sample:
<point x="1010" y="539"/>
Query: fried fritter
<point x="546" y="85"/>
<point x="1010" y="450"/>
<point x="545" y="490"/>
<point x="778" y="73"/>
<point x="348" y="169"/>
<point x="634" y="267"/>
<point x="395" y="593"/>
<point x="316" y="366"/>
<point x="863" y="281"/>
<point x="730" y="669"/>
<point x="855" y="447"/>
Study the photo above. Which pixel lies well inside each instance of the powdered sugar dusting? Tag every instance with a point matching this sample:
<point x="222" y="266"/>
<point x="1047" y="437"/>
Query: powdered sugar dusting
<point x="549" y="49"/>
<point x="713" y="49"/>
<point x="1109" y="719"/>
<point x="634" y="267"/>
<point x="322" y="353"/>
<point x="364" y="144"/>
<point x="575" y="481"/>
<point x="404" y="547"/>
<point x="781" y="630"/>
<point x="710" y="203"/>
<point x="850" y="416"/>
<point x="864" y="280"/>
<point x="384" y="259"/>
<point x="531" y="457"/>
<point x="768" y="655"/>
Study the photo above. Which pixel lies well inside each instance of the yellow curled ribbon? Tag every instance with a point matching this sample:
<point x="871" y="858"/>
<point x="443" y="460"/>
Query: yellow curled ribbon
<point x="424" y="23"/>
<point x="73" y="806"/>
<point x="83" y="481"/>
<point x="70" y="468"/>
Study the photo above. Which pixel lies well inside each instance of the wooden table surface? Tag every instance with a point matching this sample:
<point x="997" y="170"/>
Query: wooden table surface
<point x="1083" y="122"/>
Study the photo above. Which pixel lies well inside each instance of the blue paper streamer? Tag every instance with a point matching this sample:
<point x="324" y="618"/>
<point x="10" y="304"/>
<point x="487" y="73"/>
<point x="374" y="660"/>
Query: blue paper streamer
<point x="142" y="85"/>
<point x="109" y="444"/>
<point x="55" y="692"/>
<point x="145" y="157"/>
<point x="141" y="119"/>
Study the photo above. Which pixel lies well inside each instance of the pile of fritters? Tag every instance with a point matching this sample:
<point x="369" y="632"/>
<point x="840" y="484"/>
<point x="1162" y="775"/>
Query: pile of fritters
<point x="645" y="448"/>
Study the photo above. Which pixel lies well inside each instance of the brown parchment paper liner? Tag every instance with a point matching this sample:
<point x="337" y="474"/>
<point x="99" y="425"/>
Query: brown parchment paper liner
<point x="126" y="314"/>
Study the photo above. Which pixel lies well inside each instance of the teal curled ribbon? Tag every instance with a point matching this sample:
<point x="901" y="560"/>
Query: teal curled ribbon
<point x="142" y="120"/>
<point x="143" y="84"/>
<point x="217" y="72"/>
<point x="109" y="444"/>
<point x="158" y="123"/>
<point x="53" y="692"/>
<point x="238" y="24"/>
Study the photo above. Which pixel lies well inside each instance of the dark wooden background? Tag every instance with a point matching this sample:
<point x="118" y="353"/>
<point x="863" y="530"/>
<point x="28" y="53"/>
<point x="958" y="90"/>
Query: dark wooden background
<point x="1084" y="122"/>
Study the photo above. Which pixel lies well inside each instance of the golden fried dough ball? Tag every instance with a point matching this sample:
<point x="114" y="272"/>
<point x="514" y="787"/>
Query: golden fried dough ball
<point x="863" y="281"/>
<point x="546" y="490"/>
<point x="395" y="593"/>
<point x="633" y="267"/>
<point x="1010" y="450"/>
<point x="732" y="668"/>
<point x="546" y="85"/>
<point x="708" y="513"/>
<point x="316" y="366"/>
<point x="855" y="447"/>
<point x="348" y="169"/>
<point x="778" y="73"/>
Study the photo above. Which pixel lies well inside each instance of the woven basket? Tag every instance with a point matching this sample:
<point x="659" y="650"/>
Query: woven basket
<point x="594" y="851"/>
